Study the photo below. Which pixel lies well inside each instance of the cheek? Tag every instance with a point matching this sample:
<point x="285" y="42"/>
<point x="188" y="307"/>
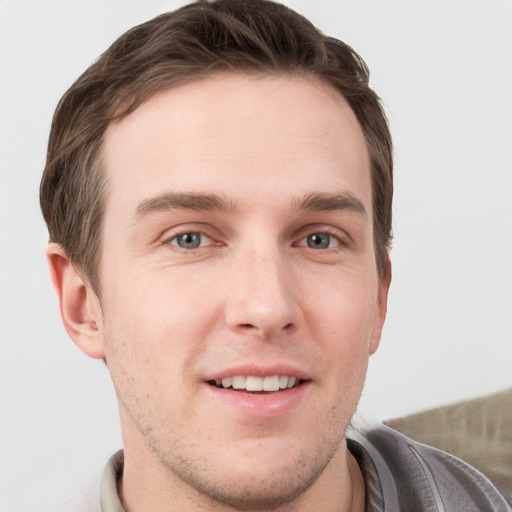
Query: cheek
<point x="156" y="319"/>
<point x="345" y="308"/>
<point x="344" y="325"/>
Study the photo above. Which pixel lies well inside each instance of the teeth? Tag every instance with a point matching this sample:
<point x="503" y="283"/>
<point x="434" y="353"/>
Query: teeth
<point x="255" y="383"/>
<point x="271" y="383"/>
<point x="238" y="382"/>
<point x="291" y="382"/>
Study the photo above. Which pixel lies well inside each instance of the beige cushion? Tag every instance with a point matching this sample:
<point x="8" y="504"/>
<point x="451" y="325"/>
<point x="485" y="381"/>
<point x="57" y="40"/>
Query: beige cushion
<point x="478" y="431"/>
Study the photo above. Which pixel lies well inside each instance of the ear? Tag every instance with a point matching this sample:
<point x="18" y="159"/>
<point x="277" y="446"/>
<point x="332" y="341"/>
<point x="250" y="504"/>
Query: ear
<point x="79" y="306"/>
<point x="382" y="306"/>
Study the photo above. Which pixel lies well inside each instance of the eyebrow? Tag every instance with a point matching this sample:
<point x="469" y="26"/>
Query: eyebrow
<point x="185" y="201"/>
<point x="321" y="202"/>
<point x="314" y="202"/>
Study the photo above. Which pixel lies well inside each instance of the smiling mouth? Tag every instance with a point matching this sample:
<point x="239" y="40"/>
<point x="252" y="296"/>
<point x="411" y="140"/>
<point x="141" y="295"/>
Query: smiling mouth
<point x="254" y="383"/>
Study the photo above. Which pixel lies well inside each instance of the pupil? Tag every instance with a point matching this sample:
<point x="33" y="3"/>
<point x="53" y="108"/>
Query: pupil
<point x="319" y="241"/>
<point x="189" y="240"/>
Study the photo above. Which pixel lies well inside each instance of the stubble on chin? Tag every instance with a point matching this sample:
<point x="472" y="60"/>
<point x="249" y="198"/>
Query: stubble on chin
<point x="250" y="492"/>
<point x="205" y="480"/>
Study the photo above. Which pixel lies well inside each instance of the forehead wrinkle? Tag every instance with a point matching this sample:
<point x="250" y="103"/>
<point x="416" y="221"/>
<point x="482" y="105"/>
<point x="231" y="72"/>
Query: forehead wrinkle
<point x="185" y="201"/>
<point x="323" y="202"/>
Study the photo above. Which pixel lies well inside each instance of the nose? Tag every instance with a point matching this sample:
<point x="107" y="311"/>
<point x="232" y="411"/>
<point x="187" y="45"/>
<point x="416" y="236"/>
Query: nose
<point x="262" y="295"/>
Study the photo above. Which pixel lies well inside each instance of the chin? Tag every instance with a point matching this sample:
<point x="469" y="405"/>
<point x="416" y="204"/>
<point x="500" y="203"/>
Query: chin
<point x="255" y="478"/>
<point x="256" y="490"/>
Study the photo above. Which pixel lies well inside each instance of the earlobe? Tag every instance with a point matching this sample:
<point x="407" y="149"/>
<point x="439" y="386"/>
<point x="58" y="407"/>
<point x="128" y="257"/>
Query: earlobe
<point x="382" y="307"/>
<point x="79" y="305"/>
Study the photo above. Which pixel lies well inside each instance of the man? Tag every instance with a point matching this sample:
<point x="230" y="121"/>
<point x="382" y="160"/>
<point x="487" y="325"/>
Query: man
<point x="218" y="194"/>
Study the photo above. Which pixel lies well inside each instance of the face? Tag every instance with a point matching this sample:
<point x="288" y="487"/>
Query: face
<point x="240" y="296"/>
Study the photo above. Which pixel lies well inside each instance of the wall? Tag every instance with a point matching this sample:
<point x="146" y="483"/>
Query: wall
<point x="444" y="70"/>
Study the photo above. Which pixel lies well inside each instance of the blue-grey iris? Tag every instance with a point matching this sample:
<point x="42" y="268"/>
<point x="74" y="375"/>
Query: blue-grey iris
<point x="189" y="240"/>
<point x="319" y="240"/>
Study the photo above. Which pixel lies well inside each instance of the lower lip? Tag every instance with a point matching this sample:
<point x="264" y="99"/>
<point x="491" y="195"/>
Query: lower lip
<point x="261" y="405"/>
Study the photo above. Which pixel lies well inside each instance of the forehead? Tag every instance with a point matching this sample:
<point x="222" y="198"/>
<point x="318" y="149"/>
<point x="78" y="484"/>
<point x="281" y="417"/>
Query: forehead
<point x="238" y="135"/>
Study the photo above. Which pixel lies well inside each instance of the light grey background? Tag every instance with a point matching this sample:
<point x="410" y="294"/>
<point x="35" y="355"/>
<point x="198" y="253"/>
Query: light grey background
<point x="444" y="70"/>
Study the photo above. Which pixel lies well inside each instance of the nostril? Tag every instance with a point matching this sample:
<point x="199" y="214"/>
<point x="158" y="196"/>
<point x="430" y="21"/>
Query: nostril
<point x="288" y="326"/>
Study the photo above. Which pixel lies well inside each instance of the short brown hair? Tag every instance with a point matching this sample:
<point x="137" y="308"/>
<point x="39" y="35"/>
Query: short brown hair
<point x="195" y="41"/>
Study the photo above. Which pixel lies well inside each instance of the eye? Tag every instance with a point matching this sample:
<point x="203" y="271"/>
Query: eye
<point x="190" y="240"/>
<point x="320" y="241"/>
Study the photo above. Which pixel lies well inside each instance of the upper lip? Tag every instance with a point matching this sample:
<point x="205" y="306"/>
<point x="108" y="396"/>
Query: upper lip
<point x="259" y="371"/>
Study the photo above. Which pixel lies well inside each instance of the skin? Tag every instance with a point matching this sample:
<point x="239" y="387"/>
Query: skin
<point x="256" y="292"/>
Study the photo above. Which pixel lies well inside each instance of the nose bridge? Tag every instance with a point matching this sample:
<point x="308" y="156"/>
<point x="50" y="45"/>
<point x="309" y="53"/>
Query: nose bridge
<point x="262" y="296"/>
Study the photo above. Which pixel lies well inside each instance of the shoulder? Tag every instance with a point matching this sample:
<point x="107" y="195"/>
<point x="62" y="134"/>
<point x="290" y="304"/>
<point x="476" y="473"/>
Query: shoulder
<point x="414" y="476"/>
